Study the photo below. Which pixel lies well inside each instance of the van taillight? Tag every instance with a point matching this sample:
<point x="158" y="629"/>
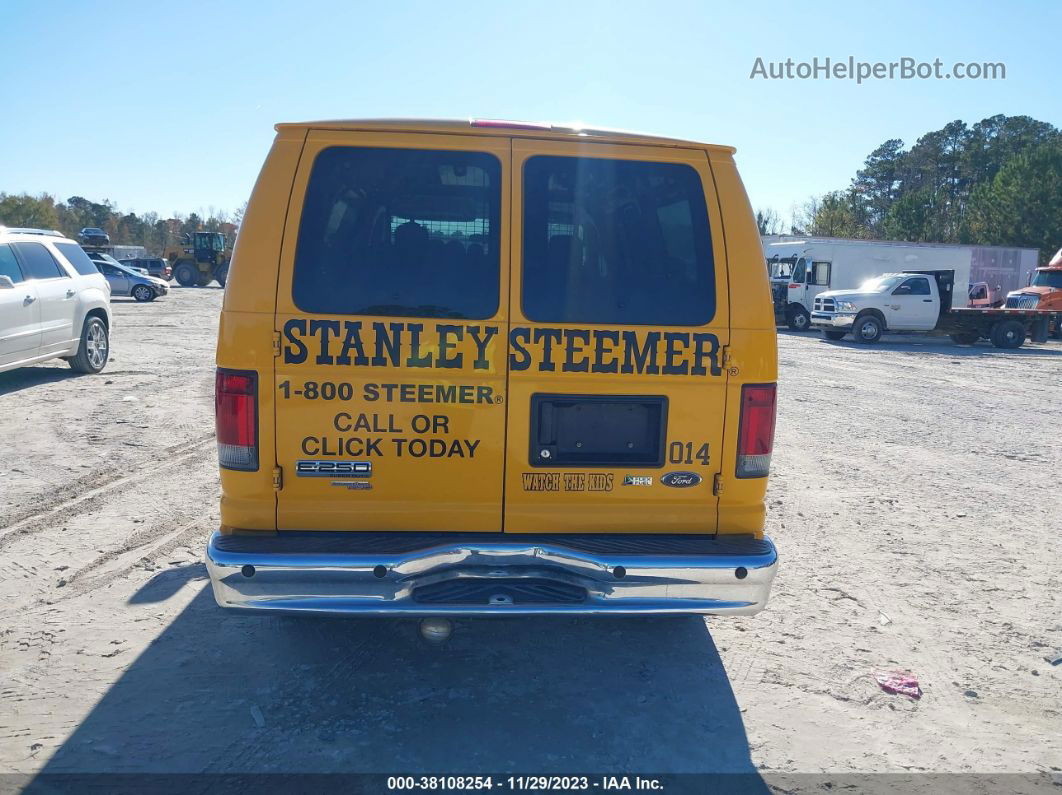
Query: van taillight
<point x="236" y="415"/>
<point x="756" y="430"/>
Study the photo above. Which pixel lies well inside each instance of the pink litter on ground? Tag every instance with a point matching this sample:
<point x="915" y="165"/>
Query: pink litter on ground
<point x="899" y="682"/>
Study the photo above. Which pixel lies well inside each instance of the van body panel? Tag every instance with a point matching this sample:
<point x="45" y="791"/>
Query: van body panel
<point x="501" y="486"/>
<point x="753" y="353"/>
<point x="432" y="436"/>
<point x="245" y="333"/>
<point x="621" y="498"/>
<point x="578" y="408"/>
<point x="496" y="129"/>
<point x="248" y="499"/>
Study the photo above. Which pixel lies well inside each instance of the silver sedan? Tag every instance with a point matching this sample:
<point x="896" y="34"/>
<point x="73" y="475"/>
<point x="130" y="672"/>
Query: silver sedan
<point x="126" y="281"/>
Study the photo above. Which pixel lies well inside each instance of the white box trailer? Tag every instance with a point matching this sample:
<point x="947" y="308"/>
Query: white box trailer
<point x="802" y="267"/>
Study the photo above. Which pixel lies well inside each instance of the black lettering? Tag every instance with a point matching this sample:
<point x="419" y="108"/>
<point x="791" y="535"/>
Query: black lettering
<point x="295" y="352"/>
<point x="699" y="354"/>
<point x="391" y="342"/>
<point x="519" y="359"/>
<point x="371" y="392"/>
<point x="446" y="393"/>
<point x="547" y="336"/>
<point x="640" y="359"/>
<point x="471" y="445"/>
<point x="446" y="345"/>
<point x="671" y="353"/>
<point x="342" y="421"/>
<point x="541" y="481"/>
<point x="327" y="329"/>
<point x="600" y="351"/>
<point x="571" y="349"/>
<point x="484" y="394"/>
<point x="311" y="445"/>
<point x="481" y="362"/>
<point x="416" y="358"/>
<point x="352" y="340"/>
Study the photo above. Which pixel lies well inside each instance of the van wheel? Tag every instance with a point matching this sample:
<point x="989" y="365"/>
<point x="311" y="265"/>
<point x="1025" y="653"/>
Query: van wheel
<point x="797" y="318"/>
<point x="833" y="335"/>
<point x="143" y="293"/>
<point x="94" y="349"/>
<point x="1008" y="334"/>
<point x="965" y="338"/>
<point x="867" y="329"/>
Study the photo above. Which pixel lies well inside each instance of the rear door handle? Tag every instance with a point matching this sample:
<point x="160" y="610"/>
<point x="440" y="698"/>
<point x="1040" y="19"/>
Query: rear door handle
<point x="927" y="300"/>
<point x="29" y="299"/>
<point x="70" y="293"/>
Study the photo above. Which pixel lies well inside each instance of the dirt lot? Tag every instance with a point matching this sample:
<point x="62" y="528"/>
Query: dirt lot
<point x="915" y="502"/>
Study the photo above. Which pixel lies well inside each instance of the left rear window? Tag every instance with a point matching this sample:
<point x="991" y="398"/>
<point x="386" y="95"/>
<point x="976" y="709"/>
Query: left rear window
<point x="401" y="233"/>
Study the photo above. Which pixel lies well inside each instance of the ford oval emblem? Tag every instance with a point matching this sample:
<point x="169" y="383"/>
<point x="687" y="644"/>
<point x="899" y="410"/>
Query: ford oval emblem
<point x="681" y="480"/>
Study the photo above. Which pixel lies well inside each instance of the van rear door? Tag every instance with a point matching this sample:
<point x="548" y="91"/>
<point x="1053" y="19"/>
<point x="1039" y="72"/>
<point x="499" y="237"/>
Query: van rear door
<point x="391" y="329"/>
<point x="619" y="311"/>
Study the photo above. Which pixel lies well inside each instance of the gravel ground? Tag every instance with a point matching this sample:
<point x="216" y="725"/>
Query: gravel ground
<point x="915" y="501"/>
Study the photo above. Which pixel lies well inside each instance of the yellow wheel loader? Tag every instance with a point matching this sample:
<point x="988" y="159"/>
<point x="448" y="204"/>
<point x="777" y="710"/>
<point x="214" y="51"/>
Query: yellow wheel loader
<point x="201" y="258"/>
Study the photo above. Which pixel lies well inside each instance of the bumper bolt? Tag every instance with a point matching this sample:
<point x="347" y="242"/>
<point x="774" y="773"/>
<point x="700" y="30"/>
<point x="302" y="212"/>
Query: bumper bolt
<point x="436" y="630"/>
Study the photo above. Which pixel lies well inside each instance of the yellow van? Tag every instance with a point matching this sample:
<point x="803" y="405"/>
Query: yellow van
<point x="494" y="367"/>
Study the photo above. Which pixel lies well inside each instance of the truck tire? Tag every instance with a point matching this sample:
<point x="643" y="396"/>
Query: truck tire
<point x="965" y="337"/>
<point x="1008" y="334"/>
<point x="94" y="349"/>
<point x="222" y="274"/>
<point x="186" y="274"/>
<point x="833" y="335"/>
<point x="797" y="318"/>
<point x="867" y="329"/>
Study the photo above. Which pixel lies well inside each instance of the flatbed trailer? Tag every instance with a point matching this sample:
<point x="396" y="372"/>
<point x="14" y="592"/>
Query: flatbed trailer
<point x="1006" y="328"/>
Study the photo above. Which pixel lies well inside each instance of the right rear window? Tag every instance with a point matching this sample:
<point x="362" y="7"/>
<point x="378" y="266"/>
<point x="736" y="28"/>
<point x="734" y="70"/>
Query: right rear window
<point x="616" y="242"/>
<point x="77" y="257"/>
<point x="401" y="233"/>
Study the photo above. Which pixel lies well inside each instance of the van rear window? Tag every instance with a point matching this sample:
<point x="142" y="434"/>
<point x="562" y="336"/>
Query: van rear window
<point x="616" y="242"/>
<point x="401" y="233"/>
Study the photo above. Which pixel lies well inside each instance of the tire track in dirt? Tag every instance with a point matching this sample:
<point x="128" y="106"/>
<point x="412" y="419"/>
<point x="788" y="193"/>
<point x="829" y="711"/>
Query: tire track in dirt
<point x="78" y="584"/>
<point x="90" y="489"/>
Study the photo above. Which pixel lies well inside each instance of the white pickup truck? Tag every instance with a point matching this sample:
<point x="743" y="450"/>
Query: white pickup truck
<point x="921" y="301"/>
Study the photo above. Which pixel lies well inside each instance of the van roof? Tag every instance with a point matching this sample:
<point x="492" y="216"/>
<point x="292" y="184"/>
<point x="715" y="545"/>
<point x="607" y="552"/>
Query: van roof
<point x="523" y="129"/>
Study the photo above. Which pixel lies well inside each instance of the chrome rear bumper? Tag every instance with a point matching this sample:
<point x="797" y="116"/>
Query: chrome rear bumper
<point x="421" y="574"/>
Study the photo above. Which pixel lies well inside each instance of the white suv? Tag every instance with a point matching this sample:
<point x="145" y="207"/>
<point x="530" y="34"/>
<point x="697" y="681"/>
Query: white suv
<point x="54" y="302"/>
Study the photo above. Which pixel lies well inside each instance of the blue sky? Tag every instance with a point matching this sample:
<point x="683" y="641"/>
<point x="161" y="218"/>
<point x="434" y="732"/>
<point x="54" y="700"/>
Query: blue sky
<point x="169" y="107"/>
